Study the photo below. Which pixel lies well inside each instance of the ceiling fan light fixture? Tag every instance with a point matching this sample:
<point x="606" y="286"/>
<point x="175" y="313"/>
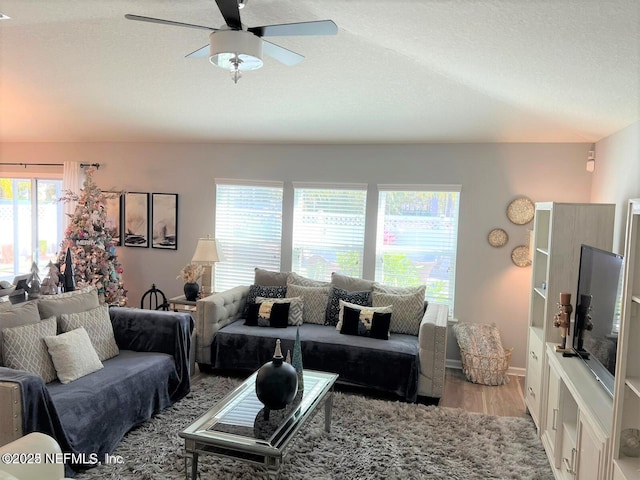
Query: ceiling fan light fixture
<point x="236" y="50"/>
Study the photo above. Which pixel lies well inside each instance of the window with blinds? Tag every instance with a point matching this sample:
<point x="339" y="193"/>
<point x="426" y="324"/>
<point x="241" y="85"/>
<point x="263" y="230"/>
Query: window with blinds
<point x="328" y="229"/>
<point x="417" y="238"/>
<point x="249" y="230"/>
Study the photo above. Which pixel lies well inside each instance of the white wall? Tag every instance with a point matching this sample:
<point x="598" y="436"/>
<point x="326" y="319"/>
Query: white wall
<point x="616" y="178"/>
<point x="489" y="287"/>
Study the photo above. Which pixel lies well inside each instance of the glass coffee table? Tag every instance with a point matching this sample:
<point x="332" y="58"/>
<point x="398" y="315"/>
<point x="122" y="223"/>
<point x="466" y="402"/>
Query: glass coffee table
<point x="239" y="426"/>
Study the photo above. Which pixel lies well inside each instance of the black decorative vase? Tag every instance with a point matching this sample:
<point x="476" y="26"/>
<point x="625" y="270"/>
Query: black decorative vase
<point x="191" y="290"/>
<point x="277" y="382"/>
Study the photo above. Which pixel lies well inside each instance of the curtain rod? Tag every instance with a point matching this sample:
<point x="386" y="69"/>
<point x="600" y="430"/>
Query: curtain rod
<point x="25" y="165"/>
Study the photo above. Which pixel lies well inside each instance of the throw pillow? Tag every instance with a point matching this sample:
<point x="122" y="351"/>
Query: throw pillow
<point x="24" y="348"/>
<point x="295" y="308"/>
<point x="70" y="302"/>
<point x="366" y="323"/>
<point x="343" y="305"/>
<point x="351" y="284"/>
<point x="97" y="324"/>
<point x="408" y="309"/>
<point x="296" y="279"/>
<point x="380" y="288"/>
<point x="73" y="355"/>
<point x="337" y="294"/>
<point x="21" y="314"/>
<point x="315" y="302"/>
<point x="251" y="317"/>
<point x="268" y="314"/>
<point x="267" y="278"/>
<point x="262" y="291"/>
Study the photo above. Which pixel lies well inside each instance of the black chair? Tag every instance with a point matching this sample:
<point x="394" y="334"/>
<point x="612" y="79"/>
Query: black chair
<point x="152" y="298"/>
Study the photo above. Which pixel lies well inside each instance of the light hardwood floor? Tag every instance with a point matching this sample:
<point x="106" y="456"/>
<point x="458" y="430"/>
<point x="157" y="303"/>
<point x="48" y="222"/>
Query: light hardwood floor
<point x="505" y="400"/>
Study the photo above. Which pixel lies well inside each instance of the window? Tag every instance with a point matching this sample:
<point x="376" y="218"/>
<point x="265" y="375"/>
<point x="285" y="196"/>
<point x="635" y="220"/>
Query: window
<point x="30" y="224"/>
<point x="417" y="237"/>
<point x="249" y="230"/>
<point x="328" y="230"/>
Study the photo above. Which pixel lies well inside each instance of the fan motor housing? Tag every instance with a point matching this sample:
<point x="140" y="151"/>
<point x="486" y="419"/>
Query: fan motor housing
<point x="226" y="45"/>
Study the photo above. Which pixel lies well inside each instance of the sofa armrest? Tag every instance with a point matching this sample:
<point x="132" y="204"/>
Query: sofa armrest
<point x="213" y="313"/>
<point x="432" y="344"/>
<point x="36" y="443"/>
<point x="10" y="412"/>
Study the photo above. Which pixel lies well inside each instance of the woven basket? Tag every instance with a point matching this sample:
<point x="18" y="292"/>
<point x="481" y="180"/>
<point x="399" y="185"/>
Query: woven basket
<point x="486" y="369"/>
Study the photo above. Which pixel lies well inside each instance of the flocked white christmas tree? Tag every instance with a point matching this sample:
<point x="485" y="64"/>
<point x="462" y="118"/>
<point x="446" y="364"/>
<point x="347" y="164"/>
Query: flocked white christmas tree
<point x="91" y="243"/>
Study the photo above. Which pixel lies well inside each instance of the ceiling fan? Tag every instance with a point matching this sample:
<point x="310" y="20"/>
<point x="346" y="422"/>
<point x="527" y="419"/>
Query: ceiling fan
<point x="239" y="48"/>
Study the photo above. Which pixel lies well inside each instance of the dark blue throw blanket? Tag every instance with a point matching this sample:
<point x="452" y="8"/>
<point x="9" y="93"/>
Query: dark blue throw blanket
<point x="390" y="366"/>
<point x="93" y="413"/>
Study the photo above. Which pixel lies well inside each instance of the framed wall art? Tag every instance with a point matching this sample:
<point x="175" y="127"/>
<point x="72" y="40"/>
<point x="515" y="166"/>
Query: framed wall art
<point x="136" y="219"/>
<point x="164" y="221"/>
<point x="113" y="212"/>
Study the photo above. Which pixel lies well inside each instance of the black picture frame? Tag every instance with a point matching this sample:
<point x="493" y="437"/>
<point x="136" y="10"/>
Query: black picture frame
<point x="113" y="206"/>
<point x="164" y="221"/>
<point x="136" y="219"/>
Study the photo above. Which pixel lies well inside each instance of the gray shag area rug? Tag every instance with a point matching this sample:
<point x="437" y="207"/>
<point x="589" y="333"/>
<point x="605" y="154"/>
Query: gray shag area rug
<point x="369" y="439"/>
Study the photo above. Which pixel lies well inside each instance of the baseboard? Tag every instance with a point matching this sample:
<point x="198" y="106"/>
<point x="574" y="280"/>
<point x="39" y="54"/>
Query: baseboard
<point x="457" y="364"/>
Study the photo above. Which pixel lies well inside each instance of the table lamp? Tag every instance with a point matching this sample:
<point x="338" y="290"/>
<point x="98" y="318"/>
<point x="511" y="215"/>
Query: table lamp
<point x="207" y="253"/>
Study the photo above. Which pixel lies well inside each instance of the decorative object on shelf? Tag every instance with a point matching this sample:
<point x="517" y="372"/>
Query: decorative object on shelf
<point x="630" y="442"/>
<point x="562" y="320"/>
<point x="521" y="211"/>
<point x="34" y="282"/>
<point x="207" y="253"/>
<point x="69" y="284"/>
<point x="51" y="281"/>
<point x="296" y="362"/>
<point x="520" y="256"/>
<point x="190" y="275"/>
<point x="191" y="290"/>
<point x="276" y="382"/>
<point x="498" y="237"/>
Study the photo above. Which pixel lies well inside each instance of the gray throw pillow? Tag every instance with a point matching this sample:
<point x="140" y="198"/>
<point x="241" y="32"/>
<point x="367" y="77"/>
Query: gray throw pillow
<point x="295" y="279"/>
<point x="408" y="309"/>
<point x="98" y="325"/>
<point x="21" y="314"/>
<point x="71" y="302"/>
<point x="351" y="284"/>
<point x="315" y="302"/>
<point x="267" y="278"/>
<point x="24" y="348"/>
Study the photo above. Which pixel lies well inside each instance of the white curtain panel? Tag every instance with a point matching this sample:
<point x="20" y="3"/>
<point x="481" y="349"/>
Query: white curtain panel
<point x="72" y="179"/>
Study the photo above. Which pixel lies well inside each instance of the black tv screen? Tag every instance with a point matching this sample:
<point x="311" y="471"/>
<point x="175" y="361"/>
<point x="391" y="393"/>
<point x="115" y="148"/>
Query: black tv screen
<point x="598" y="312"/>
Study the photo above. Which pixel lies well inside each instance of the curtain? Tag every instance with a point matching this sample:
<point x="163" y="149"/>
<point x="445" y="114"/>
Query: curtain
<point x="72" y="179"/>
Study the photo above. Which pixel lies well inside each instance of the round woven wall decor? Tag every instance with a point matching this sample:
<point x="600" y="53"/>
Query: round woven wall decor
<point x="521" y="211"/>
<point x="498" y="237"/>
<point x="520" y="256"/>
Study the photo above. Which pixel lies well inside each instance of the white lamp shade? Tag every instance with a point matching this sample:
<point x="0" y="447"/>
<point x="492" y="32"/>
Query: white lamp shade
<point x="224" y="45"/>
<point x="207" y="252"/>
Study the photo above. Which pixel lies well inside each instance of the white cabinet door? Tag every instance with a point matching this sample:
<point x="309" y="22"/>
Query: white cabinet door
<point x="592" y="447"/>
<point x="551" y="430"/>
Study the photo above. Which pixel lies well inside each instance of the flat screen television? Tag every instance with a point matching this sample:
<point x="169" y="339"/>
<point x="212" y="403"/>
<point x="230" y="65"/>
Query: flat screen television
<point x="598" y="312"/>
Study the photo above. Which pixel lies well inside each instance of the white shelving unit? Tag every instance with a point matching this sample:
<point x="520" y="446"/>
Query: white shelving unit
<point x="627" y="387"/>
<point x="559" y="231"/>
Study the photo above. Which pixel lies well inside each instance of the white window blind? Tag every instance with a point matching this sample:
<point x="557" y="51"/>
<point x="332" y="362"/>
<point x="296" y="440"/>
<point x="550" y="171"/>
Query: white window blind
<point x="417" y="237"/>
<point x="328" y="229"/>
<point x="249" y="230"/>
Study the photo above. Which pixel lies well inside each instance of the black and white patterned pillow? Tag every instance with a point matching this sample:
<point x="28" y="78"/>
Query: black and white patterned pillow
<point x="337" y="294"/>
<point x="366" y="323"/>
<point x="262" y="291"/>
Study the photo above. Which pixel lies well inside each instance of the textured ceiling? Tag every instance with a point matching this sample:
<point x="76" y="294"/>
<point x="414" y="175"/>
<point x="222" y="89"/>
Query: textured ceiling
<point x="398" y="71"/>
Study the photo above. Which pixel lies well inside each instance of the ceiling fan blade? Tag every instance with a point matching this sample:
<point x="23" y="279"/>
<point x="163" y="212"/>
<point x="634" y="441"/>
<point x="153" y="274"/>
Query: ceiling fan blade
<point x="281" y="54"/>
<point x="199" y="53"/>
<point x="319" y="27"/>
<point x="231" y="13"/>
<point x="167" y="22"/>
